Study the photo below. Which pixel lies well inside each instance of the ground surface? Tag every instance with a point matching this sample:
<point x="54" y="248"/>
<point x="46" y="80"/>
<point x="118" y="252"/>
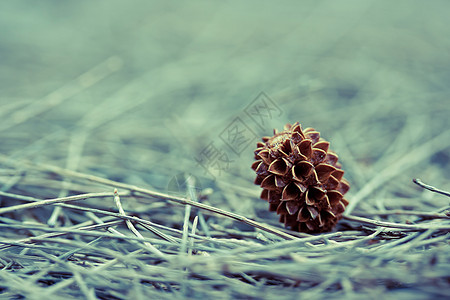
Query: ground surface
<point x="144" y="94"/>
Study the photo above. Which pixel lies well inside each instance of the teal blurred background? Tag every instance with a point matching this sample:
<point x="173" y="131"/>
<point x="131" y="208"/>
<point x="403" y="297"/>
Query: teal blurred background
<point x="136" y="90"/>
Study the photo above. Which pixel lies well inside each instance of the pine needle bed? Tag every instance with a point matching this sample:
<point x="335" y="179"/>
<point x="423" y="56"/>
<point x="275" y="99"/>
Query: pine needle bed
<point x="104" y="193"/>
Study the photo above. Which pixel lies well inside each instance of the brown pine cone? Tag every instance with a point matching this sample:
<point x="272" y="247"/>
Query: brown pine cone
<point x="301" y="179"/>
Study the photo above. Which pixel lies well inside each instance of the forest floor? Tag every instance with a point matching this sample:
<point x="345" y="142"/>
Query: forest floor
<point x="122" y="177"/>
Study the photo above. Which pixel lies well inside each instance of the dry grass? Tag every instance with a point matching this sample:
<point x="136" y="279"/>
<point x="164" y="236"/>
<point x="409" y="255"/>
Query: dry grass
<point x="130" y="99"/>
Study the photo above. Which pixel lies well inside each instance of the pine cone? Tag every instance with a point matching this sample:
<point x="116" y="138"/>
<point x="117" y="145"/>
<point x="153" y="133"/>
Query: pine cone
<point x="301" y="179"/>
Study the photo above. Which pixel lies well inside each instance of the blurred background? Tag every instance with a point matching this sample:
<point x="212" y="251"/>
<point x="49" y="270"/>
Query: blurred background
<point x="142" y="92"/>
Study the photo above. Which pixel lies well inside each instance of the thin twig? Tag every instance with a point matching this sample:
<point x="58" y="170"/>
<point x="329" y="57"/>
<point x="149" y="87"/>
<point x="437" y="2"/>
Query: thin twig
<point x="187" y="214"/>
<point x="63" y="230"/>
<point x="145" y="223"/>
<point x="82" y="226"/>
<point x="396" y="225"/>
<point x="191" y="240"/>
<point x="153" y="194"/>
<point x="52" y="201"/>
<point x="397" y="212"/>
<point x="430" y="188"/>
<point x="414" y="156"/>
<point x="133" y="229"/>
